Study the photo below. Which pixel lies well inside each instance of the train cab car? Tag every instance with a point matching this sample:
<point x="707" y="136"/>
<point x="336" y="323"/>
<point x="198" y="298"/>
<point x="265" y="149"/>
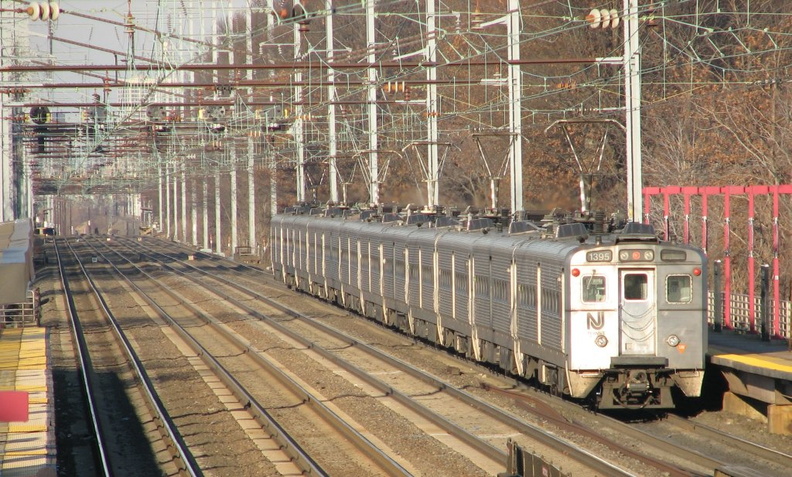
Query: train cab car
<point x="637" y="321"/>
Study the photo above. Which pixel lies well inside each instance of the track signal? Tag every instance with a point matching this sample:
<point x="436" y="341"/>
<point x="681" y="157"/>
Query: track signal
<point x="40" y="114"/>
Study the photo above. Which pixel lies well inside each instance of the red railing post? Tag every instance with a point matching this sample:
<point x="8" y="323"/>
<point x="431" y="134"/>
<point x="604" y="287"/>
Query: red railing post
<point x="727" y="323"/>
<point x="751" y="265"/>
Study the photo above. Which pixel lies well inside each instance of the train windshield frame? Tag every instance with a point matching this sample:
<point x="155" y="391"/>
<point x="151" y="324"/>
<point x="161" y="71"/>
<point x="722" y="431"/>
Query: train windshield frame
<point x="679" y="289"/>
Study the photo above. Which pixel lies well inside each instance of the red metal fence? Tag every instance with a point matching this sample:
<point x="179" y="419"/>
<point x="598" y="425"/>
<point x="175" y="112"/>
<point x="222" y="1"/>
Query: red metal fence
<point x="687" y="199"/>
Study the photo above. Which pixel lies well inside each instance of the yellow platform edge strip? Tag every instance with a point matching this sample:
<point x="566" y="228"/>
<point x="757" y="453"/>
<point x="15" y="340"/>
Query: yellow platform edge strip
<point x="27" y="428"/>
<point x="25" y="453"/>
<point x="753" y="360"/>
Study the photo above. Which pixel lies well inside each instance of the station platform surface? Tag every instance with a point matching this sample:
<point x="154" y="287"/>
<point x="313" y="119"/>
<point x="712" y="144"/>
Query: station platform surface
<point x="748" y="352"/>
<point x="27" y="447"/>
<point x="759" y="376"/>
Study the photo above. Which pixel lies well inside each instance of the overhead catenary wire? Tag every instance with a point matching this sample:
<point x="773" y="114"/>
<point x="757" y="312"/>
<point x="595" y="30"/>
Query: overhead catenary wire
<point x="592" y="86"/>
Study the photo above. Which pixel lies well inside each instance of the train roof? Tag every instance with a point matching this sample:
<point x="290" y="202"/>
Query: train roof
<point x="460" y="231"/>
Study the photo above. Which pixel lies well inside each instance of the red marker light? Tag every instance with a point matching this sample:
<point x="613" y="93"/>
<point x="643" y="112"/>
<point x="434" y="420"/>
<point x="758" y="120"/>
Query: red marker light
<point x="696" y="271"/>
<point x="575" y="272"/>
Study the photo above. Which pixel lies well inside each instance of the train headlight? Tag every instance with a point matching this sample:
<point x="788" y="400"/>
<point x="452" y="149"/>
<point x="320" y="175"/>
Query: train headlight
<point x="601" y="341"/>
<point x="673" y="341"/>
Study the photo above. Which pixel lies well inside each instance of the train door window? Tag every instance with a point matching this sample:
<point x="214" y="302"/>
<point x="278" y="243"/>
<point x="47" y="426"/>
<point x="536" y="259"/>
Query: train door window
<point x="550" y="301"/>
<point x="522" y="294"/>
<point x="593" y="288"/>
<point x="636" y="286"/>
<point x="679" y="289"/>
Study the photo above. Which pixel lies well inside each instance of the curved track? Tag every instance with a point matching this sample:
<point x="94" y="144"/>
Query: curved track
<point x="400" y="407"/>
<point x="686" y="450"/>
<point x="470" y="405"/>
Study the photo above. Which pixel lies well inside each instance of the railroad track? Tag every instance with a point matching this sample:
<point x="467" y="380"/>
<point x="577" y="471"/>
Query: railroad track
<point x="106" y="361"/>
<point x="384" y="398"/>
<point x="686" y="453"/>
<point x="727" y="447"/>
<point x="428" y="385"/>
<point x="250" y="379"/>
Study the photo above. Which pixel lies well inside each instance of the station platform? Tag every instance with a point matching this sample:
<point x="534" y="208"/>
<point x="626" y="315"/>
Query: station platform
<point x="27" y="413"/>
<point x="759" y="374"/>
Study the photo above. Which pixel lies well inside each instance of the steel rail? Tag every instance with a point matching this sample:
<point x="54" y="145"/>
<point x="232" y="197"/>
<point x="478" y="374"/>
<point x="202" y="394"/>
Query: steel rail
<point x="733" y="442"/>
<point x="155" y="404"/>
<point x="279" y="433"/>
<point x="580" y="455"/>
<point x="86" y="366"/>
<point x="451" y="428"/>
<point x="560" y="421"/>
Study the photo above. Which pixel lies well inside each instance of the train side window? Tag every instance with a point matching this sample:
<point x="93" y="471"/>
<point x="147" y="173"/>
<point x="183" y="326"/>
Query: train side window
<point x="679" y="289"/>
<point x="593" y="289"/>
<point x="400" y="268"/>
<point x="427" y="278"/>
<point x="461" y="282"/>
<point x="636" y="286"/>
<point x="445" y="279"/>
<point x="413" y="271"/>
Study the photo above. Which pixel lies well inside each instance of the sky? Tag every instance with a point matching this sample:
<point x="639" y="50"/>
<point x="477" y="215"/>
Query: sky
<point x="100" y="24"/>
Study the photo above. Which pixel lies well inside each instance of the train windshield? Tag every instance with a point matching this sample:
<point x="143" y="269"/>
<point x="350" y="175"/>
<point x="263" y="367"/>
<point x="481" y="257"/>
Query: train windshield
<point x="593" y="289"/>
<point x="679" y="289"/>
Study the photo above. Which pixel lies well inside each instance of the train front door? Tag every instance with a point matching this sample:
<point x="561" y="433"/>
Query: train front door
<point x="637" y="312"/>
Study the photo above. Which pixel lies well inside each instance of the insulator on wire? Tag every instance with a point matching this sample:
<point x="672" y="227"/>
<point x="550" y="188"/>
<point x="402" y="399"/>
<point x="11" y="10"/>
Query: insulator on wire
<point x="603" y="18"/>
<point x="650" y="19"/>
<point x="394" y="87"/>
<point x="43" y="11"/>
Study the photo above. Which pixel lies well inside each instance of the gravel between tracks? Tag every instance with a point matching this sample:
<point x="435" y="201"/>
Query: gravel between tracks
<point x="425" y="454"/>
<point x="202" y="418"/>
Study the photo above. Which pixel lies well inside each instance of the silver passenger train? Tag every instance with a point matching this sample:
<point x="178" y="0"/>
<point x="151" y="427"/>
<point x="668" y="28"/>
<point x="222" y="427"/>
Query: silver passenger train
<point x="615" y="318"/>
